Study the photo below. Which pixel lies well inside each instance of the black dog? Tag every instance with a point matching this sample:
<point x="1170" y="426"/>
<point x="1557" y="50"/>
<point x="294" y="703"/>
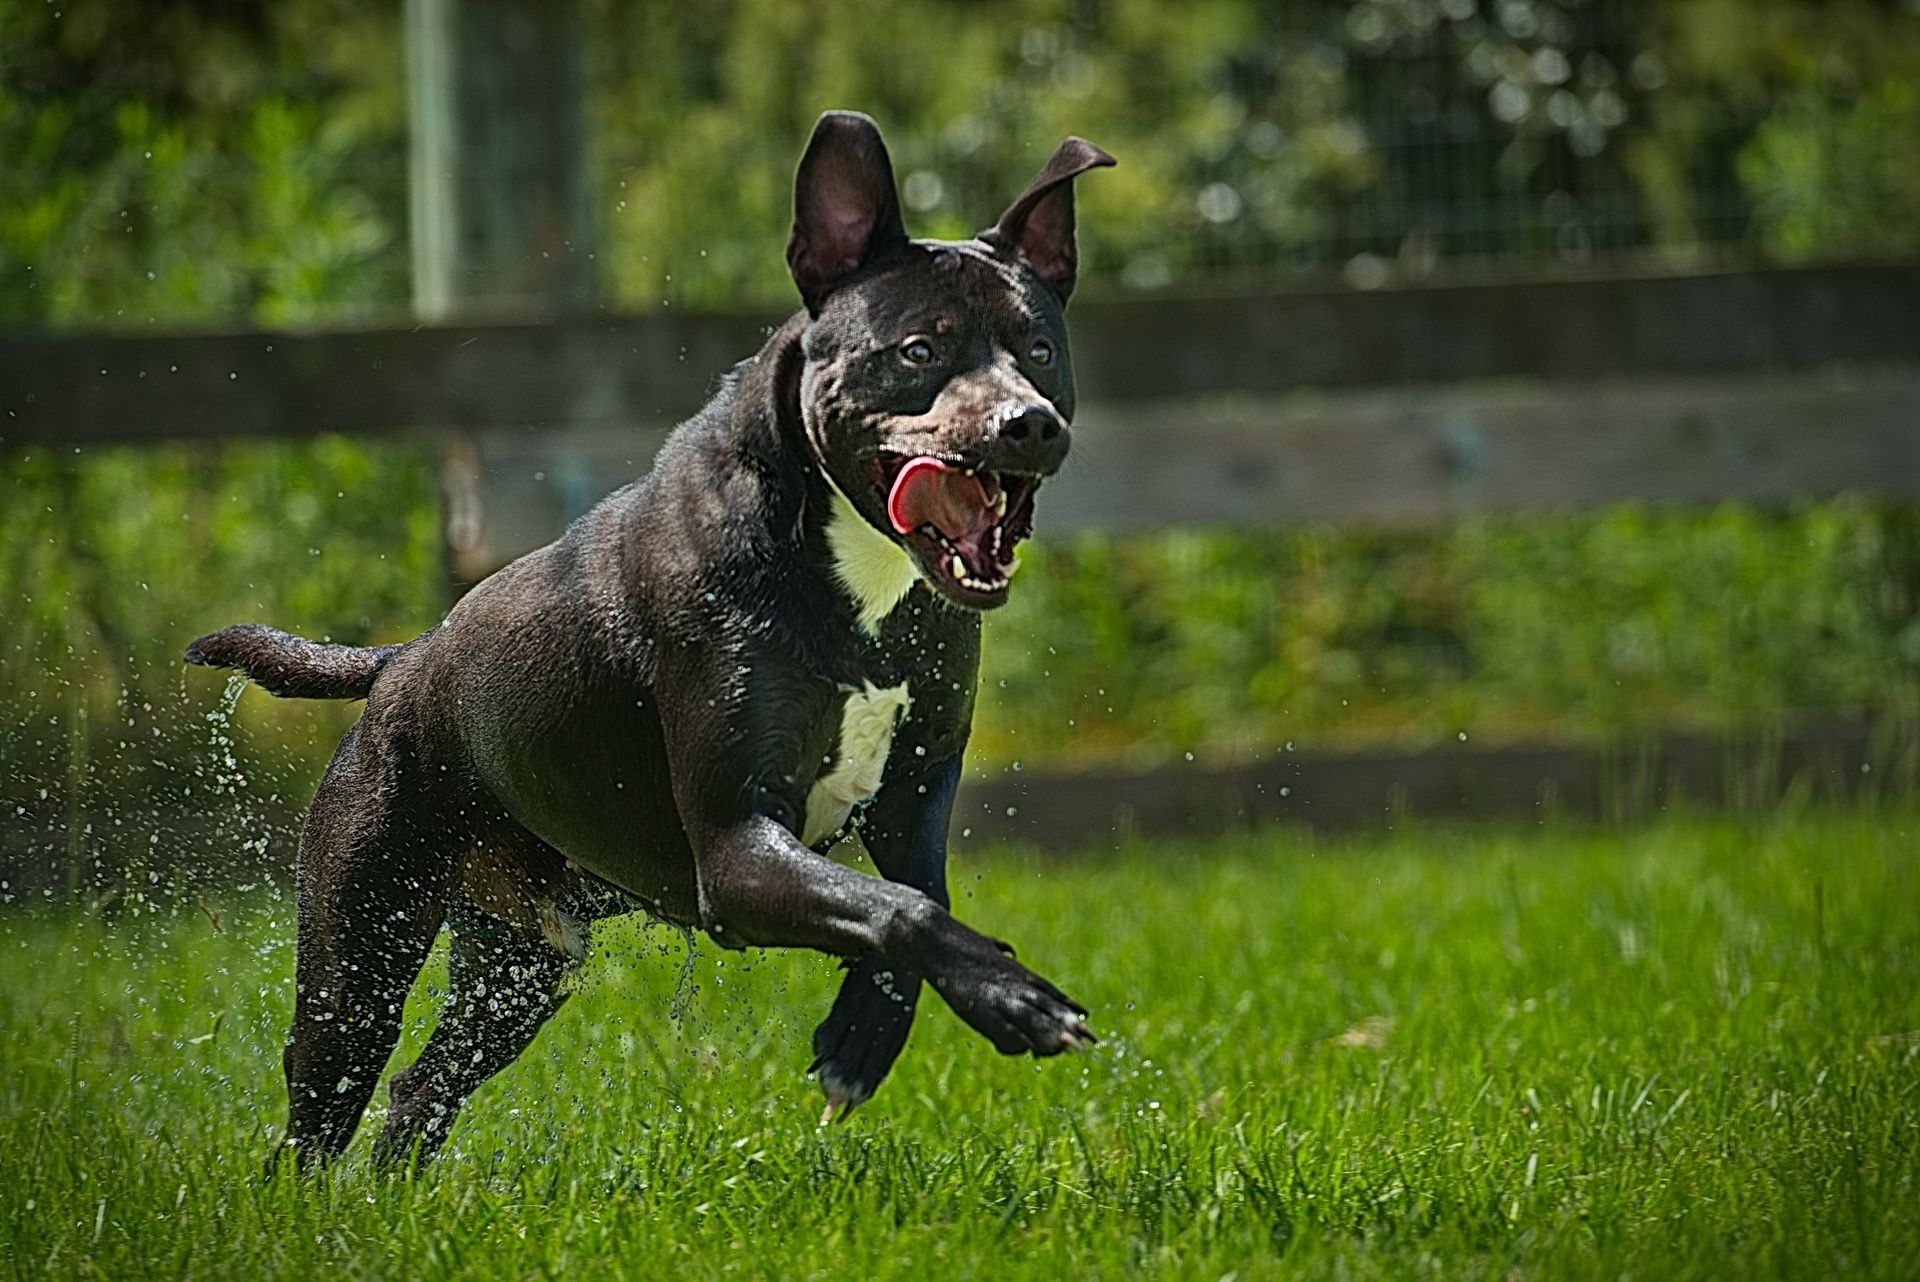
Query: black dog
<point x="704" y="682"/>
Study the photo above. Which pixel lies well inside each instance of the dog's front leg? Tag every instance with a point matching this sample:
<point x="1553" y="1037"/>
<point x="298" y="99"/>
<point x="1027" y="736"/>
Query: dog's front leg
<point x="760" y="886"/>
<point x="905" y="831"/>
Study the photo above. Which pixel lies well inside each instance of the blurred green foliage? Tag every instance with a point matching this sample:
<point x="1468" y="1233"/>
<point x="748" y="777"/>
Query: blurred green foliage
<point x="217" y="163"/>
<point x="1813" y="108"/>
<point x="1592" y="626"/>
<point x="1388" y="138"/>
<point x="214" y="161"/>
<point x="191" y="165"/>
<point x="111" y="560"/>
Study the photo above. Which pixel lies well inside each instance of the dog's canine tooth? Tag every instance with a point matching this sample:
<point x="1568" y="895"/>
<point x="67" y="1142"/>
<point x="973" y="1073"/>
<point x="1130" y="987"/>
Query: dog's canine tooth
<point x="1000" y="506"/>
<point x="956" y="567"/>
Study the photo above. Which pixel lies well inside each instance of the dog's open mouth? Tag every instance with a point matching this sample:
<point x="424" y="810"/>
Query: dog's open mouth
<point x="964" y="522"/>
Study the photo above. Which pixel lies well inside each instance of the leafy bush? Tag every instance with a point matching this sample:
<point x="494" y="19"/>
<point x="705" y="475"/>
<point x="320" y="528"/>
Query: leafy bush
<point x="1580" y="626"/>
<point x="113" y="559"/>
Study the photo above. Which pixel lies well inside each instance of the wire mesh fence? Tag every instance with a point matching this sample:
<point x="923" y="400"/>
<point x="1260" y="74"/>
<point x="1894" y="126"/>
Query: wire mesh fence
<point x="253" y="165"/>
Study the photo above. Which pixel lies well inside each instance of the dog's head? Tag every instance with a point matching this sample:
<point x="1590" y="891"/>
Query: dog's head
<point x="937" y="386"/>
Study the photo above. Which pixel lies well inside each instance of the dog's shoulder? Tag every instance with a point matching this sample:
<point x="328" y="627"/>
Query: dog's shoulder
<point x="725" y="486"/>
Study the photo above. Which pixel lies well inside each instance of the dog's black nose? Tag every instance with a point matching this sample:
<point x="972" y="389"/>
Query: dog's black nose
<point x="1032" y="438"/>
<point x="1030" y="420"/>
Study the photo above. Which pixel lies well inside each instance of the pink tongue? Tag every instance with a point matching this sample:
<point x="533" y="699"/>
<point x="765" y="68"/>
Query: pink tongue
<point x="928" y="492"/>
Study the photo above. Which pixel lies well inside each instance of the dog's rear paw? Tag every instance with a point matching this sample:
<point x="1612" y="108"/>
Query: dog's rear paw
<point x="856" y="1044"/>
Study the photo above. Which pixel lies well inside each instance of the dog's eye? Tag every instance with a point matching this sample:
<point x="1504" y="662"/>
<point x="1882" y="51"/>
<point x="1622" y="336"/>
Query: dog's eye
<point x="1041" y="353"/>
<point x="917" y="351"/>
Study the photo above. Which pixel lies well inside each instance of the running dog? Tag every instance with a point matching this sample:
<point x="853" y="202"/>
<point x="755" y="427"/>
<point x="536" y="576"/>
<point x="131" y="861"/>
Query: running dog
<point x="768" y="642"/>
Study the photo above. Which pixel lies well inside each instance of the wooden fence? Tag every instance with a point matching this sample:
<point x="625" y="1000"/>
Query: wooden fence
<point x="638" y="370"/>
<point x="1394" y="406"/>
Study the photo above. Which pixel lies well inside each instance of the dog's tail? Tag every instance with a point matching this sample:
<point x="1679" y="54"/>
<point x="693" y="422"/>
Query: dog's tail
<point x="290" y="666"/>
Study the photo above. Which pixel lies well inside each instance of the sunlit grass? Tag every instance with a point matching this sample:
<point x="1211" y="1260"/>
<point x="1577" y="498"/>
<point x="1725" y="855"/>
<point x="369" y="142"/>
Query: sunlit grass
<point x="1691" y="1050"/>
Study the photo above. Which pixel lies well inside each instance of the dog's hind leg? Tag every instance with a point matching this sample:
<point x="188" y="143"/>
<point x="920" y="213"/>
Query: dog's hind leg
<point x="519" y="921"/>
<point x="372" y="886"/>
<point x="855" y="1046"/>
<point x="503" y="984"/>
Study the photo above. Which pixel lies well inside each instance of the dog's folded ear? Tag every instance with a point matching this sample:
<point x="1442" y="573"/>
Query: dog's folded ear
<point x="846" y="212"/>
<point x="1039" y="225"/>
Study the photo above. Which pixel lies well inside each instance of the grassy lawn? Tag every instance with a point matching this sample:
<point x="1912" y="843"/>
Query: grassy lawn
<point x="1691" y="1050"/>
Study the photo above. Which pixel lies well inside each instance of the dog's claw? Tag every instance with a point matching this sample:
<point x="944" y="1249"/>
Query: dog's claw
<point x="839" y="1108"/>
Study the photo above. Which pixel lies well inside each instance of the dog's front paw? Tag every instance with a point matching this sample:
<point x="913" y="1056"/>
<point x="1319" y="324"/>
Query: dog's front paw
<point x="862" y="1035"/>
<point x="1015" y="1009"/>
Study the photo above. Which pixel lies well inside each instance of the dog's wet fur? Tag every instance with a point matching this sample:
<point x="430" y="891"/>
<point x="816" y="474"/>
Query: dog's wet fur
<point x="768" y="642"/>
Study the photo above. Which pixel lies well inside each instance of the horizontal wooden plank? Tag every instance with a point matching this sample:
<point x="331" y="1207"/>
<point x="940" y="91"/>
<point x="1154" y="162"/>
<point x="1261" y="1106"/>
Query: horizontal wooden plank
<point x="642" y="370"/>
<point x="1364" y="790"/>
<point x="1414" y="456"/>
<point x="88" y="389"/>
<point x="1747" y="320"/>
<point x="1401" y="457"/>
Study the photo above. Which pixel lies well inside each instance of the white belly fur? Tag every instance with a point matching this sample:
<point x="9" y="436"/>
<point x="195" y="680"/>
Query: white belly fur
<point x="867" y="723"/>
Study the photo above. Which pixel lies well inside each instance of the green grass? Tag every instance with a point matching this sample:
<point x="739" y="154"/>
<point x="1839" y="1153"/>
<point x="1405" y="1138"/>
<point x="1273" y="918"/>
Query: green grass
<point x="1686" y="1051"/>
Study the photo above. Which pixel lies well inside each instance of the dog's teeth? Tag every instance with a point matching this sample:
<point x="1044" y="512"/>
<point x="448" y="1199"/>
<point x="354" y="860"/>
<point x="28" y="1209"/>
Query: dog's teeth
<point x="980" y="585"/>
<point x="1000" y="506"/>
<point x="956" y="567"/>
<point x="1008" y="569"/>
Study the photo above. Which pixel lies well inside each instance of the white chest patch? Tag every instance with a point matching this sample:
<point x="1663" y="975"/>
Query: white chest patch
<point x="867" y="723"/>
<point x="875" y="571"/>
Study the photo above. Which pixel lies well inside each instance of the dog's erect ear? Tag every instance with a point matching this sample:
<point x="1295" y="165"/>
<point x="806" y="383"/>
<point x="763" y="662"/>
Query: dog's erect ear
<point x="845" y="209"/>
<point x="1039" y="225"/>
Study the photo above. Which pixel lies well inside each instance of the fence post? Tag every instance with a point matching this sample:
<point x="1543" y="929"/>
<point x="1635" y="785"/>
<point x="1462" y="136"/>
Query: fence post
<point x="500" y="220"/>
